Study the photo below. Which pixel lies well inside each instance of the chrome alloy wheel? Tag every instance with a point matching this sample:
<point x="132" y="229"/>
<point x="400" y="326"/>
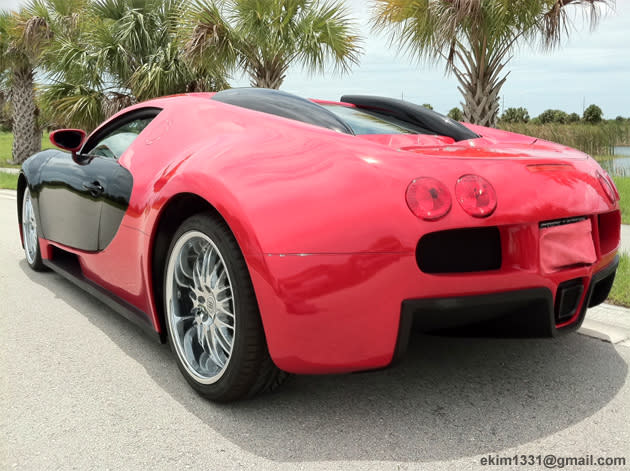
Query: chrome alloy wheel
<point x="200" y="307"/>
<point x="29" y="228"/>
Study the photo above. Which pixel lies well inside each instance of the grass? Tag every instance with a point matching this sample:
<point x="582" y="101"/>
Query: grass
<point x="8" y="181"/>
<point x="620" y="293"/>
<point x="6" y="142"/>
<point x="623" y="185"/>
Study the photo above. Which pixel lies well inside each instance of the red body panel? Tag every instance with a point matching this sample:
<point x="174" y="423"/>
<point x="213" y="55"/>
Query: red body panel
<point x="323" y="224"/>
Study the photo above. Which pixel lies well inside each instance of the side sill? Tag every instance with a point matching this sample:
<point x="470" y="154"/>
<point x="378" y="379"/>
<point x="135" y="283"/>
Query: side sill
<point x="68" y="267"/>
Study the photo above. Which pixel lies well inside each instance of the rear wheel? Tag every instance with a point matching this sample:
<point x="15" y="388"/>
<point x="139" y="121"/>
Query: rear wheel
<point x="29" y="233"/>
<point x="212" y="316"/>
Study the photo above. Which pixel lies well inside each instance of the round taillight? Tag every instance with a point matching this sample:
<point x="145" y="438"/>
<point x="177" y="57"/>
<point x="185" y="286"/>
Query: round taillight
<point x="428" y="198"/>
<point x="607" y="187"/>
<point x="476" y="195"/>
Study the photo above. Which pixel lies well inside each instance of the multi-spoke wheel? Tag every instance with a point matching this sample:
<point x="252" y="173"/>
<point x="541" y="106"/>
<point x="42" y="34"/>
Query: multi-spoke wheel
<point x="29" y="233"/>
<point x="212" y="316"/>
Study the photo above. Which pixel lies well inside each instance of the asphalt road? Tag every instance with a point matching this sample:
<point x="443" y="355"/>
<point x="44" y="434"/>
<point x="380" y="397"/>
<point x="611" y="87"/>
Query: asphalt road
<point x="81" y="388"/>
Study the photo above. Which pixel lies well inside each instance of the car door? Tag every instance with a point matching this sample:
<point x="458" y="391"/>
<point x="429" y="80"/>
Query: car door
<point x="83" y="199"/>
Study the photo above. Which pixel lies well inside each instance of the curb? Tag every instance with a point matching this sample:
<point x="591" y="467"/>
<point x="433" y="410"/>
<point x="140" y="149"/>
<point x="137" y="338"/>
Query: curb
<point x="625" y="238"/>
<point x="8" y="194"/>
<point x="14" y="171"/>
<point x="609" y="323"/>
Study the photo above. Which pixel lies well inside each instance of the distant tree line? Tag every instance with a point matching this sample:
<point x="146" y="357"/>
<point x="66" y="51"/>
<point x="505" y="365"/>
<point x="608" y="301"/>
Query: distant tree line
<point x="592" y="115"/>
<point x="590" y="132"/>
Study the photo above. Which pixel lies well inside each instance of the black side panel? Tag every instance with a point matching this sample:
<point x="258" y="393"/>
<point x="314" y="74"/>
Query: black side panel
<point x="32" y="167"/>
<point x="413" y="114"/>
<point x="283" y="104"/>
<point x="115" y="202"/>
<point x="80" y="202"/>
<point x="67" y="213"/>
<point x="32" y="170"/>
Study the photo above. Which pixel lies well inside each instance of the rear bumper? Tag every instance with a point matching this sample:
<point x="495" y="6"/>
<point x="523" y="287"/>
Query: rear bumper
<point x="526" y="312"/>
<point x="333" y="313"/>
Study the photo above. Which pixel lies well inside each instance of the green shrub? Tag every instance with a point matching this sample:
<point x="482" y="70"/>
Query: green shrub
<point x="456" y="114"/>
<point x="515" y="115"/>
<point x="593" y="114"/>
<point x="553" y="116"/>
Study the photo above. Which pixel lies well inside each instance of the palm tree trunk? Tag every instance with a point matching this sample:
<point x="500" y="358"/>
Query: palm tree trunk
<point x="480" y="80"/>
<point x="266" y="79"/>
<point x="27" y="137"/>
<point x="267" y="74"/>
<point x="5" y="116"/>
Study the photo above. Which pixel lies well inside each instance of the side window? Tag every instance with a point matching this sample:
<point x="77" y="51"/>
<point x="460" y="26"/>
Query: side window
<point x="113" y="142"/>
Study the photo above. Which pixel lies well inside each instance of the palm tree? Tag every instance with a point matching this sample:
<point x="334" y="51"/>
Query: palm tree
<point x="476" y="38"/>
<point x="125" y="51"/>
<point x="25" y="35"/>
<point x="19" y="47"/>
<point x="265" y="37"/>
<point x="4" y="73"/>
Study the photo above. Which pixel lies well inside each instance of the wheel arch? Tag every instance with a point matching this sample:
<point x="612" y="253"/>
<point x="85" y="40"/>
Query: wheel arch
<point x="173" y="213"/>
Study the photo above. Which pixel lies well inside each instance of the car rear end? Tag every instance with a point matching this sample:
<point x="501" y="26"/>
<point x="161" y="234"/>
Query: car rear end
<point x="546" y="252"/>
<point x="389" y="229"/>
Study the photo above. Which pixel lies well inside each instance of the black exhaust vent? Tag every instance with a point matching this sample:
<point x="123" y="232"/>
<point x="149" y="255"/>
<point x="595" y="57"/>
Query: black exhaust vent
<point x="568" y="299"/>
<point x="460" y="251"/>
<point x="601" y="290"/>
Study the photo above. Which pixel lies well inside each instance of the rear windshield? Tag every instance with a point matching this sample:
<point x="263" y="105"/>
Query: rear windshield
<point x="369" y="122"/>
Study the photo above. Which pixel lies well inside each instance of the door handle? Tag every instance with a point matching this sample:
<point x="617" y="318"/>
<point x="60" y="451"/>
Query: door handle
<point x="95" y="188"/>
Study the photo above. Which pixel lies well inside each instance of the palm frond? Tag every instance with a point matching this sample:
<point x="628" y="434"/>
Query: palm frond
<point x="556" y="24"/>
<point x="71" y="105"/>
<point x="266" y="37"/>
<point x="208" y="38"/>
<point x="325" y="34"/>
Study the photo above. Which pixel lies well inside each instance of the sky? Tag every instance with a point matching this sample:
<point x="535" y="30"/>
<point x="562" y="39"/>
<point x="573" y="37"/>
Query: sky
<point x="590" y="67"/>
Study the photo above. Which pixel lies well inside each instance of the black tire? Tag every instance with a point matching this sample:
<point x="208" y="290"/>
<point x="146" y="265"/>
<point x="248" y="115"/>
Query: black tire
<point x="30" y="240"/>
<point x="249" y="369"/>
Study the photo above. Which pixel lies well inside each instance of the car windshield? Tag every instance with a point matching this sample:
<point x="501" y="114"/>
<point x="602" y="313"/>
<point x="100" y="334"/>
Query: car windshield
<point x="369" y="122"/>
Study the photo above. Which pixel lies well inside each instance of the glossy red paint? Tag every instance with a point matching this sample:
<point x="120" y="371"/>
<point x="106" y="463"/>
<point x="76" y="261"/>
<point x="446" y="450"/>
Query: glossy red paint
<point x="323" y="223"/>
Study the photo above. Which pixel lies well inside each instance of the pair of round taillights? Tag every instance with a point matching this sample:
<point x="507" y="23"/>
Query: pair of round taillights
<point x="430" y="199"/>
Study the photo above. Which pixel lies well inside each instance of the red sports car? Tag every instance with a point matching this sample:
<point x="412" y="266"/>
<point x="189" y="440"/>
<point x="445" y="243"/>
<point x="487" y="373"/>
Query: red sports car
<point x="262" y="233"/>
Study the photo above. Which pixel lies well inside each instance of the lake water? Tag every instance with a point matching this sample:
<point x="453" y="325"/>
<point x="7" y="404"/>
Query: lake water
<point x="621" y="150"/>
<point x="619" y="164"/>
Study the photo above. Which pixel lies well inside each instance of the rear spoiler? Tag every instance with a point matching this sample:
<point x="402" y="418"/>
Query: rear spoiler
<point x="412" y="114"/>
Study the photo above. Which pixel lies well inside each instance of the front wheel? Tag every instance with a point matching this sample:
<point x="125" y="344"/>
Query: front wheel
<point x="29" y="233"/>
<point x="212" y="316"/>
